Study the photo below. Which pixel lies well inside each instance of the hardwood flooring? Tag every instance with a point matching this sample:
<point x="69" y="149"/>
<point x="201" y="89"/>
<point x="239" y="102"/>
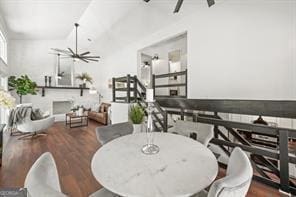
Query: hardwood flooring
<point x="73" y="150"/>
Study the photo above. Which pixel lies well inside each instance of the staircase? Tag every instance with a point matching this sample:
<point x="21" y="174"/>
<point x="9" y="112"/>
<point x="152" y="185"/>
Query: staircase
<point x="129" y="89"/>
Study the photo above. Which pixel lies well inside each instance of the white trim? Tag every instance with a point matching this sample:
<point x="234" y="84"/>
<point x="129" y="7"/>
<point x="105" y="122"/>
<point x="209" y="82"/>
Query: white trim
<point x="3" y="45"/>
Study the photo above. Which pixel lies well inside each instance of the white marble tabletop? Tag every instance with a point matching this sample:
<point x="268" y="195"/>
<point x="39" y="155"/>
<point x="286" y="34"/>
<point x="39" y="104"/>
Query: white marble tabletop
<point x="182" y="167"/>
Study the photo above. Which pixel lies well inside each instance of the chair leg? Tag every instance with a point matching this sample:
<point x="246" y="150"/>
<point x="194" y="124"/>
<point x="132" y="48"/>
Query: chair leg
<point x="15" y="132"/>
<point x="32" y="135"/>
<point x="26" y="136"/>
<point x="42" y="133"/>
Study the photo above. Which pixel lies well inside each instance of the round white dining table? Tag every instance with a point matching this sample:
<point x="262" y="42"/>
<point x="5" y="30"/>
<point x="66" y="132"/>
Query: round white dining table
<point x="182" y="167"/>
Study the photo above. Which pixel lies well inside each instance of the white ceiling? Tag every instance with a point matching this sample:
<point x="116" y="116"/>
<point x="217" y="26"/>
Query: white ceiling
<point x="41" y="19"/>
<point x="54" y="19"/>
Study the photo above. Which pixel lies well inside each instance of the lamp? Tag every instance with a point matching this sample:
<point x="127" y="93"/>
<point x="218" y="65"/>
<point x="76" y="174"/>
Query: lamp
<point x="146" y="64"/>
<point x="155" y="57"/>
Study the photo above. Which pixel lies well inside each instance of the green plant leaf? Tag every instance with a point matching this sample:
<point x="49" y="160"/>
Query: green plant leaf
<point x="23" y="85"/>
<point x="137" y="114"/>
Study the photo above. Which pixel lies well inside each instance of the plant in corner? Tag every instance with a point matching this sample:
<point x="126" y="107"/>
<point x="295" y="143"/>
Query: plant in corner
<point x="22" y="85"/>
<point x="137" y="115"/>
<point x="85" y="77"/>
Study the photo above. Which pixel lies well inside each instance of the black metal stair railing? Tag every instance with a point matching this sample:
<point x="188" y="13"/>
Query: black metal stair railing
<point x="273" y="174"/>
<point x="133" y="91"/>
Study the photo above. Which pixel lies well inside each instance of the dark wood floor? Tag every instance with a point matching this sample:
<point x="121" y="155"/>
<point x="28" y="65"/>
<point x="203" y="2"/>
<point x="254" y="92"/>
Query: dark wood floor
<point x="73" y="150"/>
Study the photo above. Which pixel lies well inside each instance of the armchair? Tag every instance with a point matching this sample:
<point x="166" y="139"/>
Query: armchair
<point x="32" y="128"/>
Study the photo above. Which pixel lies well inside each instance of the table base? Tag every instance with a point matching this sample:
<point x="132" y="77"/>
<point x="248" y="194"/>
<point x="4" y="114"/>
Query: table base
<point x="150" y="149"/>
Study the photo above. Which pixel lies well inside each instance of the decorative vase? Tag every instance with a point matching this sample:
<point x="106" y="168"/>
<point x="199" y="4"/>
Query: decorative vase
<point x="45" y="80"/>
<point x="80" y="111"/>
<point x="84" y="83"/>
<point x="137" y="128"/>
<point x="150" y="148"/>
<point x="49" y="80"/>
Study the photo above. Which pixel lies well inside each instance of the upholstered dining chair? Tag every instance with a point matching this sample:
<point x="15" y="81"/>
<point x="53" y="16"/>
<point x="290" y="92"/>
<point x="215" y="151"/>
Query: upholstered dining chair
<point x="204" y="132"/>
<point x="43" y="179"/>
<point x="238" y="177"/>
<point x="110" y="132"/>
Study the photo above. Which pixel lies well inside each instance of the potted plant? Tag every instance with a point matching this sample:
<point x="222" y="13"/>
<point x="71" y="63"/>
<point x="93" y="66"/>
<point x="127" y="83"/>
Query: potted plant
<point x="22" y="85"/>
<point x="84" y="77"/>
<point x="137" y="115"/>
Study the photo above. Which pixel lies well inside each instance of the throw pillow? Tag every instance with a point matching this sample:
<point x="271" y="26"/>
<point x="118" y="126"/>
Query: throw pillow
<point x="37" y="115"/>
<point x="102" y="108"/>
<point x="96" y="108"/>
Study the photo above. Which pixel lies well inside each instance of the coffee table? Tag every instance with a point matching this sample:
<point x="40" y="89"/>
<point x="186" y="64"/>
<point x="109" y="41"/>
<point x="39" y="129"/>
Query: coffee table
<point x="75" y="120"/>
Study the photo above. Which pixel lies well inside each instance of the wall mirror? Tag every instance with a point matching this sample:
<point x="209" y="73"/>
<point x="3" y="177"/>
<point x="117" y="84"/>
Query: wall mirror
<point x="64" y="71"/>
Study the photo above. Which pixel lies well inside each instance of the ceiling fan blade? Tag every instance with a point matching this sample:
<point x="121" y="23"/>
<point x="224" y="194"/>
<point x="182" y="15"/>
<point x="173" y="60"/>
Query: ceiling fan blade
<point x="178" y="6"/>
<point x="71" y="51"/>
<point x="82" y="54"/>
<point x="60" y="50"/>
<point x="83" y="59"/>
<point x="146" y="1"/>
<point x="94" y="60"/>
<point x="91" y="57"/>
<point x="211" y="2"/>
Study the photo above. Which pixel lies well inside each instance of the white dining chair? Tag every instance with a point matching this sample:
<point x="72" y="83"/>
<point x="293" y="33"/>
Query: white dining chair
<point x="204" y="132"/>
<point x="108" y="133"/>
<point x="43" y="179"/>
<point x="103" y="193"/>
<point x="238" y="177"/>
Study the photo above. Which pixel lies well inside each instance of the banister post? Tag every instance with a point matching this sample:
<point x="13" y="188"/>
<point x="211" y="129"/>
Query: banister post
<point x="113" y="89"/>
<point x="284" y="161"/>
<point x="153" y="83"/>
<point x="135" y="88"/>
<point x="182" y="114"/>
<point x="165" y="121"/>
<point x="216" y="134"/>
<point x="186" y="82"/>
<point x="128" y="89"/>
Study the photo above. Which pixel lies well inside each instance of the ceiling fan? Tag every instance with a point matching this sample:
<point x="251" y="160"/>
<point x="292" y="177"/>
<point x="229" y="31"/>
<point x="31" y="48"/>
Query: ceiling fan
<point x="180" y="2"/>
<point x="75" y="55"/>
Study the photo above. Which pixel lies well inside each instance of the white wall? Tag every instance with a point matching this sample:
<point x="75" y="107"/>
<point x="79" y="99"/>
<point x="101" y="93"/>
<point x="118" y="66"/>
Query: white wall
<point x="242" y="51"/>
<point x="32" y="57"/>
<point x="236" y="49"/>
